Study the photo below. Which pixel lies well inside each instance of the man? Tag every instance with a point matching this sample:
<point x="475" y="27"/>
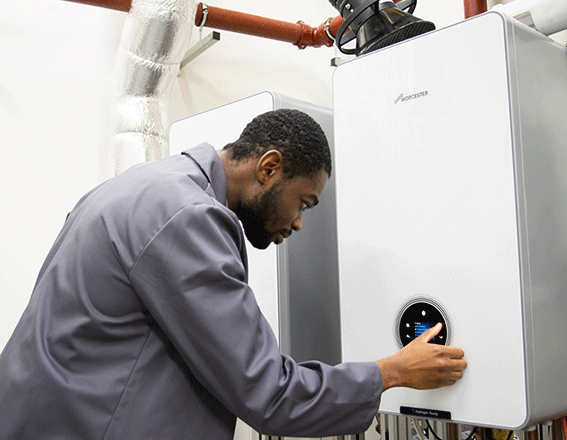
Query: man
<point x="142" y="324"/>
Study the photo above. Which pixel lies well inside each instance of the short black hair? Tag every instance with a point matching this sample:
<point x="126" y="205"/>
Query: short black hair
<point x="299" y="139"/>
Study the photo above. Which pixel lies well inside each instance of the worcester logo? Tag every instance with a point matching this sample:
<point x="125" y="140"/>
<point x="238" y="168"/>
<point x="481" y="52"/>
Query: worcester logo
<point x="404" y="98"/>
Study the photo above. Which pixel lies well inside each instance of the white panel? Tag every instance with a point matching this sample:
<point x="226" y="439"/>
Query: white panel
<point x="219" y="127"/>
<point x="426" y="207"/>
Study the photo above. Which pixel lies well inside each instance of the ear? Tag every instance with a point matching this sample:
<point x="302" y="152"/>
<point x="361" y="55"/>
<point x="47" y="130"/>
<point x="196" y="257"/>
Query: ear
<point x="269" y="166"/>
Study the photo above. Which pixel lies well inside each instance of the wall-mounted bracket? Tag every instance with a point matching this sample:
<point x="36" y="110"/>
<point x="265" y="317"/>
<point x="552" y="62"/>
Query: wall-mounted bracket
<point x="203" y="44"/>
<point x="336" y="61"/>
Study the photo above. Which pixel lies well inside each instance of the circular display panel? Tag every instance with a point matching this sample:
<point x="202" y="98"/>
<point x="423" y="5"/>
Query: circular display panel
<point x="416" y="317"/>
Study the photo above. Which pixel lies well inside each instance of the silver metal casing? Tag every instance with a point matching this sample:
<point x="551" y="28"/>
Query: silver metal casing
<point x="295" y="283"/>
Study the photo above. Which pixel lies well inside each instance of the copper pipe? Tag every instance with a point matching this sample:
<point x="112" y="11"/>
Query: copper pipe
<point x="320" y="34"/>
<point x="453" y="431"/>
<point x="556" y="430"/>
<point x="118" y="5"/>
<point x="300" y="34"/>
<point x="533" y="435"/>
<point x="474" y="7"/>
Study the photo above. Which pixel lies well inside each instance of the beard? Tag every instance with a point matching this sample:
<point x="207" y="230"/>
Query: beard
<point x="255" y="214"/>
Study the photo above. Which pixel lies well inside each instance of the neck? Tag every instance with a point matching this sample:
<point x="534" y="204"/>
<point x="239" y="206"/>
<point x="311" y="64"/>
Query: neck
<point x="238" y="176"/>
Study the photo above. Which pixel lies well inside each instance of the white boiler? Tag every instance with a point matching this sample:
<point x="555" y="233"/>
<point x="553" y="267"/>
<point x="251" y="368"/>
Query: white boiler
<point x="451" y="168"/>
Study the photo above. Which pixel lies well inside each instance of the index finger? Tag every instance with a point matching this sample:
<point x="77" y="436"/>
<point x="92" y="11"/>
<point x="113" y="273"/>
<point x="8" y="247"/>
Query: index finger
<point x="430" y="333"/>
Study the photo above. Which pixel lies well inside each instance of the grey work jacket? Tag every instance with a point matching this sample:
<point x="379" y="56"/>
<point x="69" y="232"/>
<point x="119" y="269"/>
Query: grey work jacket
<point x="142" y="326"/>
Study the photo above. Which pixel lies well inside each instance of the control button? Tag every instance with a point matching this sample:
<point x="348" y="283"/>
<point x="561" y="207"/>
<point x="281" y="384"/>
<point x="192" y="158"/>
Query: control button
<point x="417" y="317"/>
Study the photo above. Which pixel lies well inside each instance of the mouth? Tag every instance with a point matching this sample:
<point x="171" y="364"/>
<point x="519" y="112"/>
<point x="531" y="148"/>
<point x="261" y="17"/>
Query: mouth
<point x="281" y="236"/>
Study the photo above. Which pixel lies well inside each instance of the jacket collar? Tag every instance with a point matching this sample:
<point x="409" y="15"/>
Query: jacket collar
<point x="207" y="159"/>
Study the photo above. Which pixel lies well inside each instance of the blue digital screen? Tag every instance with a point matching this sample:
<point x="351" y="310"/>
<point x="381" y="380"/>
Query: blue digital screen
<point x="420" y="327"/>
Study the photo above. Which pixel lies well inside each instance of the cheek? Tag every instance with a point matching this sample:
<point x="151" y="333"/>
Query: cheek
<point x="282" y="217"/>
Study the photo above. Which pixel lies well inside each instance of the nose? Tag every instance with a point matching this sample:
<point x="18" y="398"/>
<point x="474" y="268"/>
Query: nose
<point x="297" y="224"/>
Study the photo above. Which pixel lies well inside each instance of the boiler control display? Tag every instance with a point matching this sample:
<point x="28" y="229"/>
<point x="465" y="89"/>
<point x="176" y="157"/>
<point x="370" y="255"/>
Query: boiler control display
<point x="418" y="316"/>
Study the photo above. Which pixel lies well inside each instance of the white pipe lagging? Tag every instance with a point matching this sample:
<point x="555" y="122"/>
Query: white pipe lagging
<point x="154" y="39"/>
<point x="546" y="16"/>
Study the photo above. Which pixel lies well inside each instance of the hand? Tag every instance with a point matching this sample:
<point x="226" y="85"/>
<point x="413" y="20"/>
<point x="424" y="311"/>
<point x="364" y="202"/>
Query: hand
<point x="423" y="366"/>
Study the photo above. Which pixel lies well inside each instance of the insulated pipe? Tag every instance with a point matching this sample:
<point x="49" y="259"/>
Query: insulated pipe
<point x="300" y="34"/>
<point x="155" y="37"/>
<point x="546" y="16"/>
<point x="474" y="7"/>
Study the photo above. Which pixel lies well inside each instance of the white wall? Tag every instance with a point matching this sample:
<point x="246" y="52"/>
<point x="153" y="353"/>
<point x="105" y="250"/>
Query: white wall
<point x="57" y="59"/>
<point x="56" y="62"/>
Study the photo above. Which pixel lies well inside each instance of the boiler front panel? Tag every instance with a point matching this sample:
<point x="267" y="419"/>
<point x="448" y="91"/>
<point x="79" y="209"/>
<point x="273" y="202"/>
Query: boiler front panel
<point x="427" y="209"/>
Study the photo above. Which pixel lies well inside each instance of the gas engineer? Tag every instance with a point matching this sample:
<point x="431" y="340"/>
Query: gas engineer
<point x="142" y="324"/>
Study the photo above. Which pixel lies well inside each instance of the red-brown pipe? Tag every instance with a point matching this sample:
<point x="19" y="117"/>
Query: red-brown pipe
<point x="318" y="36"/>
<point x="119" y="5"/>
<point x="474" y="7"/>
<point x="300" y="34"/>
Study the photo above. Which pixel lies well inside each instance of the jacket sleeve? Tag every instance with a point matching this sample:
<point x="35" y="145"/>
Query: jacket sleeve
<point x="191" y="278"/>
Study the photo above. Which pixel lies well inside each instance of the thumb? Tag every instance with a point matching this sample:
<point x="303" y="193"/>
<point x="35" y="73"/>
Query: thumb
<point x="430" y="333"/>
